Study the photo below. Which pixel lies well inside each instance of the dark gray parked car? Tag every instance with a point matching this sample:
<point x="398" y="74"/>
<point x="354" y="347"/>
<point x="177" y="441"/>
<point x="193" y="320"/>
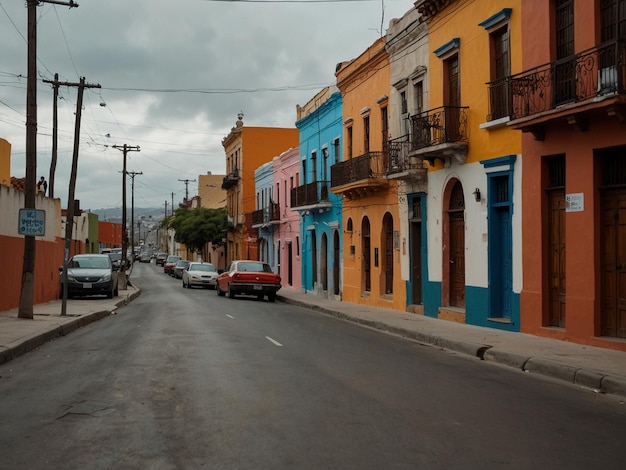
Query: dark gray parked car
<point x="90" y="275"/>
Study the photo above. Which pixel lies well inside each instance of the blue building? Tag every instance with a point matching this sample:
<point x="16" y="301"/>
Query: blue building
<point x="320" y="127"/>
<point x="265" y="213"/>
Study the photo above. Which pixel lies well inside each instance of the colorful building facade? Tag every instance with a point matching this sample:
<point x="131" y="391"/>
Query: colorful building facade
<point x="370" y="213"/>
<point x="474" y="198"/>
<point x="570" y="104"/>
<point x="287" y="246"/>
<point x="407" y="46"/>
<point x="246" y="149"/>
<point x="320" y="126"/>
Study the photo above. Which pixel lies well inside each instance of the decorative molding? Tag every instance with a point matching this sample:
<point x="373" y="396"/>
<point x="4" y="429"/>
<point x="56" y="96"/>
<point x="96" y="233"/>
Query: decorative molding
<point x="448" y="47"/>
<point x="494" y="20"/>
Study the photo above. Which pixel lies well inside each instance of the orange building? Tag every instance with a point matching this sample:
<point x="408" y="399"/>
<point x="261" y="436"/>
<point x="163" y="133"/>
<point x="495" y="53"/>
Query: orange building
<point x="570" y="104"/>
<point x="246" y="149"/>
<point x="370" y="215"/>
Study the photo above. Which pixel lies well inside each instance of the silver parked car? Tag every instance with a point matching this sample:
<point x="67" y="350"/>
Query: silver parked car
<point x="200" y="274"/>
<point x="90" y="275"/>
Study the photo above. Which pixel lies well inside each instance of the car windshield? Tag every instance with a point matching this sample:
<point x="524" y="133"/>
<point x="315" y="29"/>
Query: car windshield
<point x="98" y="262"/>
<point x="115" y="256"/>
<point x="254" y="267"/>
<point x="172" y="259"/>
<point x="202" y="267"/>
<point x="181" y="263"/>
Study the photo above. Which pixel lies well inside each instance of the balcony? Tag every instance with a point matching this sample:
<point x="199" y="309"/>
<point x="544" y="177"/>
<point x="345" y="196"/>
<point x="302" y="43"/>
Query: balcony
<point x="360" y="176"/>
<point x="570" y="89"/>
<point x="231" y="179"/>
<point x="310" y="196"/>
<point x="441" y="134"/>
<point x="403" y="163"/>
<point x="267" y="215"/>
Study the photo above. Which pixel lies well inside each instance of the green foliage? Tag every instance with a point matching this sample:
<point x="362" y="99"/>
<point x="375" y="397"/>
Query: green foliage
<point x="197" y="227"/>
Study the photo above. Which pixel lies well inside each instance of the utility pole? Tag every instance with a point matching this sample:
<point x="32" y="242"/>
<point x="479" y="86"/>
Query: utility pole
<point x="172" y="206"/>
<point x="69" y="217"/>
<point x="122" y="275"/>
<point x="187" y="189"/>
<point x="25" y="309"/>
<point x="132" y="175"/>
<point x="53" y="161"/>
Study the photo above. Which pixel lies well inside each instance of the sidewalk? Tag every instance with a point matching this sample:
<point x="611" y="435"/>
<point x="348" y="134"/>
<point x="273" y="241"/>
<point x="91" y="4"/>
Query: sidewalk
<point x="598" y="369"/>
<point x="18" y="336"/>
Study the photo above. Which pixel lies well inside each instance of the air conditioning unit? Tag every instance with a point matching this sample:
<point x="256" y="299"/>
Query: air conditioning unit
<point x="607" y="80"/>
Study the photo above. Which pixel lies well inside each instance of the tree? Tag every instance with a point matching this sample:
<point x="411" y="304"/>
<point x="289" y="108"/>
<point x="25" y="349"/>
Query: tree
<point x="197" y="227"/>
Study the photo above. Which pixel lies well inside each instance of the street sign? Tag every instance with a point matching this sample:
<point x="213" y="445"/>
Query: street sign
<point x="32" y="222"/>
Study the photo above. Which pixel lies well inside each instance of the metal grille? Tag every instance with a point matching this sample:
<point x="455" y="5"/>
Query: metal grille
<point x="501" y="188"/>
<point x="556" y="172"/>
<point x="614" y="167"/>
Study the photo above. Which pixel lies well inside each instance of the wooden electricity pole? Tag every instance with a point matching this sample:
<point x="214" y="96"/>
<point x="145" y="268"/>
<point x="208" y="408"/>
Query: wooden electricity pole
<point x="25" y="309"/>
<point x="122" y="277"/>
<point x="69" y="217"/>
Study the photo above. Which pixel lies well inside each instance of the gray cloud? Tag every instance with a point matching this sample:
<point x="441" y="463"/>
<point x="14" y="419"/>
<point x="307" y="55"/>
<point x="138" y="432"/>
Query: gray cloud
<point x="174" y="75"/>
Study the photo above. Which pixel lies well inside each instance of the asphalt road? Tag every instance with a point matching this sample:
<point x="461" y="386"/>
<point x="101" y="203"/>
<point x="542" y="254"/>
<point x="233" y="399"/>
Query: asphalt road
<point x="184" y="379"/>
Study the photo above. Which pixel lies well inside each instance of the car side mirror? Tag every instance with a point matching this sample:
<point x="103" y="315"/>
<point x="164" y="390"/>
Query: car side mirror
<point x="220" y="271"/>
<point x="60" y="269"/>
<point x="116" y="267"/>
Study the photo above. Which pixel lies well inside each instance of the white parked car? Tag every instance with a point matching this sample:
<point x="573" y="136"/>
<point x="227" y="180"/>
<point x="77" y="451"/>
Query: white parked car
<point x="200" y="274"/>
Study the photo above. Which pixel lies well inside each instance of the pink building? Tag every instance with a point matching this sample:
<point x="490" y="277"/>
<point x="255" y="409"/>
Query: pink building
<point x="287" y="231"/>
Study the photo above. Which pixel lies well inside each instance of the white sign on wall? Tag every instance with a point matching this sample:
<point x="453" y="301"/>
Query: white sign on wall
<point x="32" y="222"/>
<point x="575" y="202"/>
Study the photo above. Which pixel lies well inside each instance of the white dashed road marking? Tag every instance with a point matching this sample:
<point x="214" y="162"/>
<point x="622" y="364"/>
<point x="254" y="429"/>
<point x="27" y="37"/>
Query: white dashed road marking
<point x="273" y="341"/>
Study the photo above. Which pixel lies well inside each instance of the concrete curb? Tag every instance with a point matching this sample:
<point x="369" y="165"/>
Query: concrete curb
<point x="593" y="380"/>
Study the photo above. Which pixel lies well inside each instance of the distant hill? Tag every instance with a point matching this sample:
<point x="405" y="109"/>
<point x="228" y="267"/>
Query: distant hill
<point x="114" y="214"/>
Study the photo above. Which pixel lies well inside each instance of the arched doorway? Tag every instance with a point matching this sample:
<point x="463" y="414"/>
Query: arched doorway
<point x="336" y="262"/>
<point x="366" y="261"/>
<point x="387" y="261"/>
<point x="313" y="260"/>
<point x="455" y="256"/>
<point x="324" y="261"/>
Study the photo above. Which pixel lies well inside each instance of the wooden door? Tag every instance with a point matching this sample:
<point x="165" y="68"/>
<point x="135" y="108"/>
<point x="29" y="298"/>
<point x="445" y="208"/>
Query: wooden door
<point x="416" y="263"/>
<point x="457" y="259"/>
<point x="556" y="267"/>
<point x="614" y="263"/>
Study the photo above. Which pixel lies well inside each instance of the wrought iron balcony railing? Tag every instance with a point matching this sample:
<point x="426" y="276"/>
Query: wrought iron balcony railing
<point x="361" y="168"/>
<point x="447" y="124"/>
<point x="597" y="71"/>
<point x="309" y="194"/>
<point x="231" y="179"/>
<point x="266" y="215"/>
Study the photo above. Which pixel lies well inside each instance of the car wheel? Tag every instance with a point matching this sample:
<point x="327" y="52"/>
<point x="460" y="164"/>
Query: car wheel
<point x="220" y="292"/>
<point x="231" y="293"/>
<point x="184" y="284"/>
<point x="110" y="294"/>
<point x="271" y="297"/>
<point x="117" y="291"/>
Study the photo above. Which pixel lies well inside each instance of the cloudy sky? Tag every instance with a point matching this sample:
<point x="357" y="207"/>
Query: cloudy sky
<point x="173" y="76"/>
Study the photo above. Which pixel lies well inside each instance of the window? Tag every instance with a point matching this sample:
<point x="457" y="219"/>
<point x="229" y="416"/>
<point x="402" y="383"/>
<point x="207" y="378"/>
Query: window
<point x="499" y="91"/>
<point x="325" y="164"/>
<point x="418" y="96"/>
<point x="613" y="18"/>
<point x="366" y="134"/>
<point x="336" y="150"/>
<point x="404" y="107"/>
<point x="349" y="141"/>
<point x="384" y="117"/>
<point x="313" y="167"/>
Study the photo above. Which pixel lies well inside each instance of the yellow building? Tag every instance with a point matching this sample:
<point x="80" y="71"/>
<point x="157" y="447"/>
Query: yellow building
<point x="371" y="258"/>
<point x="5" y="162"/>
<point x="474" y="182"/>
<point x="246" y="149"/>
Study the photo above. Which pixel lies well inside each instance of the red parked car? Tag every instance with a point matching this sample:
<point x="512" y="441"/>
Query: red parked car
<point x="170" y="263"/>
<point x="249" y="278"/>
